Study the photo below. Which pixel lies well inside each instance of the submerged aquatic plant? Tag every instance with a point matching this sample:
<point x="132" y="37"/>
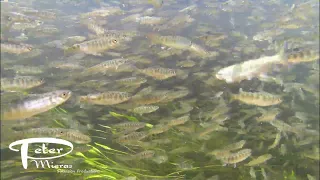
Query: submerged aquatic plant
<point x="117" y="115"/>
<point x="100" y="159"/>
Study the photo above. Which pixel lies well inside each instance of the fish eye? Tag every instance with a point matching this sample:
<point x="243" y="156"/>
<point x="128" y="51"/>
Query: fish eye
<point x="29" y="48"/>
<point x="114" y="41"/>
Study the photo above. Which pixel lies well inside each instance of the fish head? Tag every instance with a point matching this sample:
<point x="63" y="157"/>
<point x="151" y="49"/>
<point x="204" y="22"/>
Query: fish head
<point x="64" y="94"/>
<point x="224" y="73"/>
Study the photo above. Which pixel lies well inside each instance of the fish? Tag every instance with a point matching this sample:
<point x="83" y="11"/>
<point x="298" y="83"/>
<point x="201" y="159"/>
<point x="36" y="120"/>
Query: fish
<point x="102" y="12"/>
<point x="257" y="99"/>
<point x="259" y="160"/>
<point x="24" y="69"/>
<point x="186" y="64"/>
<point x="236" y="157"/>
<point x="252" y="173"/>
<point x="131" y="138"/>
<point x="36" y="105"/>
<point x="73" y="39"/>
<point x="302" y="56"/>
<point x="177" y="42"/>
<point x="131" y="18"/>
<point x="131" y="81"/>
<point x="160" y="159"/>
<point x="276" y="141"/>
<point x="40" y="14"/>
<point x="150" y="20"/>
<point x="179" y="21"/>
<point x="148" y="98"/>
<point x="158" y="129"/>
<point x="178" y="121"/>
<point x="16" y="48"/>
<point x="93" y="83"/>
<point x="249" y="69"/>
<point x="267" y="34"/>
<point x="66" y="65"/>
<point x="93" y="47"/>
<point x="201" y="51"/>
<point x="159" y="73"/>
<point x="145" y="109"/>
<point x="226" y="150"/>
<point x="205" y="133"/>
<point x="268" y="115"/>
<point x="18" y="17"/>
<point x="128" y="127"/>
<point x="184" y="108"/>
<point x="284" y="127"/>
<point x="124" y="36"/>
<point x="106" y="98"/>
<point x="105" y="66"/>
<point x="234" y="146"/>
<point x="67" y="134"/>
<point x="98" y="30"/>
<point x="21" y="26"/>
<point x="20" y="83"/>
<point x="143" y="155"/>
<point x="219" y="154"/>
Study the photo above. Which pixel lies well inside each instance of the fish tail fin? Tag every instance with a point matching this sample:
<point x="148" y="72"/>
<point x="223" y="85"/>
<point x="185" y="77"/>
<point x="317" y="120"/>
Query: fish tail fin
<point x="75" y="100"/>
<point x="182" y="74"/>
<point x="81" y="99"/>
<point x="228" y="95"/>
<point x="133" y="66"/>
<point x="282" y="53"/>
<point x="284" y="60"/>
<point x="83" y="103"/>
